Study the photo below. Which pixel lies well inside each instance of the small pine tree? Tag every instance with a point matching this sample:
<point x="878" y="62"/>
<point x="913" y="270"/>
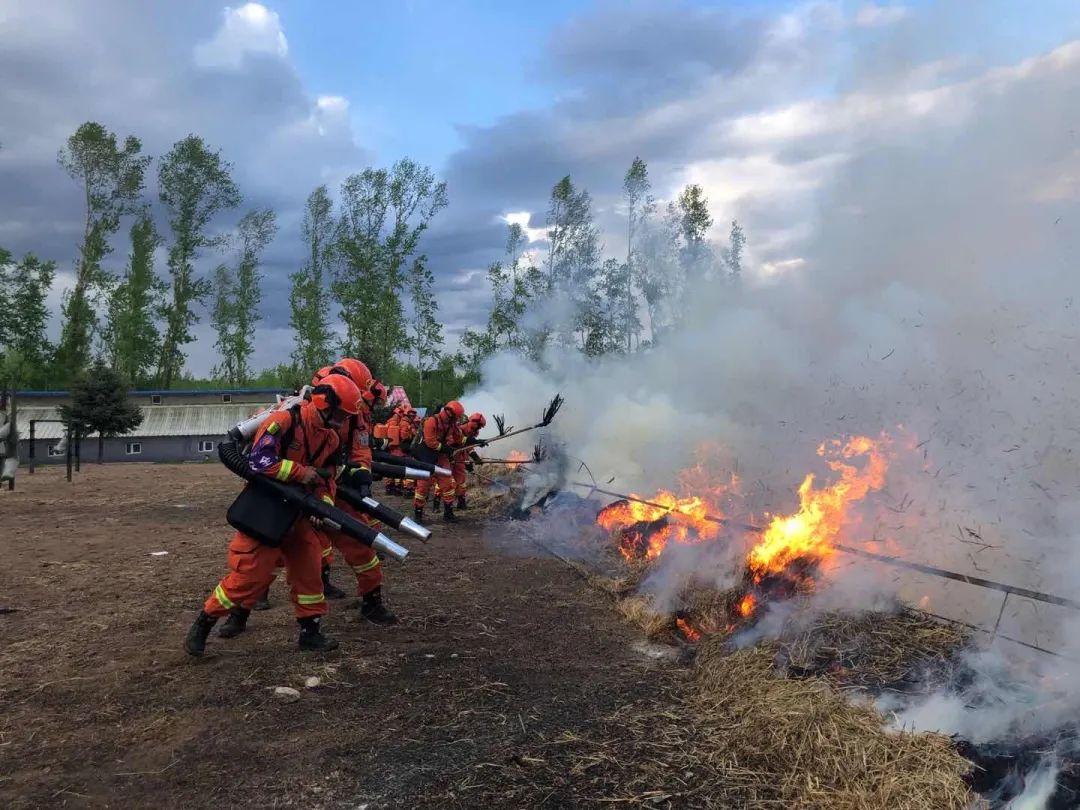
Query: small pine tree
<point x="99" y="402"/>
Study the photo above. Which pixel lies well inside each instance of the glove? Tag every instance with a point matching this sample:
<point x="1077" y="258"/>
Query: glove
<point x="481" y="443"/>
<point x="361" y="482"/>
<point x="310" y="477"/>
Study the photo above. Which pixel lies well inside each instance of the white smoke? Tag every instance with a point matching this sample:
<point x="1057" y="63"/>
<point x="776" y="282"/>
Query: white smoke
<point x="937" y="301"/>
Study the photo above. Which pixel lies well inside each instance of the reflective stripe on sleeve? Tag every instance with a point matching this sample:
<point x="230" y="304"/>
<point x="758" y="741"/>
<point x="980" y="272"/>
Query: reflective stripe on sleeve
<point x="285" y="470"/>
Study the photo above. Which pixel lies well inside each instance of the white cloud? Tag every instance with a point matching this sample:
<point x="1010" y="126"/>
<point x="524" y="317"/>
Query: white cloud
<point x="523" y="218"/>
<point x="875" y="16"/>
<point x="250" y="29"/>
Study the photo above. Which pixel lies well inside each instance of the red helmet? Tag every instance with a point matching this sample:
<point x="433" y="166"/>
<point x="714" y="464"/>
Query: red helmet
<point x="320" y="375"/>
<point x="374" y="392"/>
<point x="455" y="408"/>
<point x="337" y="392"/>
<point x="479" y="419"/>
<point x="358" y="372"/>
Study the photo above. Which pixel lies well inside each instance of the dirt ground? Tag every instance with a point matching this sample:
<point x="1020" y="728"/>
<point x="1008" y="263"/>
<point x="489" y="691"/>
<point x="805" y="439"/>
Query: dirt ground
<point x="503" y="667"/>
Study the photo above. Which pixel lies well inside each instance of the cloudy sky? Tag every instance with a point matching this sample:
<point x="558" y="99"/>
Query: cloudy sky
<point x="772" y="106"/>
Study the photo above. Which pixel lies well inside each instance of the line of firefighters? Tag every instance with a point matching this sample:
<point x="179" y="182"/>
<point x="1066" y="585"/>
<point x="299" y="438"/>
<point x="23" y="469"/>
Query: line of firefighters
<point x="325" y="438"/>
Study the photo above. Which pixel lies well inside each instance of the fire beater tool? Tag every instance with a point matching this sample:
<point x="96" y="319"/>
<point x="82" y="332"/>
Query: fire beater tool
<point x="549" y="415"/>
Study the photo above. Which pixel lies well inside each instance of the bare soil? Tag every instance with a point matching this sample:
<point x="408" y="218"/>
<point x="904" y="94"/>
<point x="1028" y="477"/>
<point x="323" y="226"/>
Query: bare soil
<point x="503" y="664"/>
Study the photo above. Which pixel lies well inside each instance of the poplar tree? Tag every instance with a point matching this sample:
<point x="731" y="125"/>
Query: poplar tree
<point x="308" y="299"/>
<point x="383" y="215"/>
<point x="25" y="350"/>
<point x="237" y="296"/>
<point x="639" y="206"/>
<point x="132" y="339"/>
<point x="426" y="338"/>
<point x="195" y="183"/>
<point x="111" y="177"/>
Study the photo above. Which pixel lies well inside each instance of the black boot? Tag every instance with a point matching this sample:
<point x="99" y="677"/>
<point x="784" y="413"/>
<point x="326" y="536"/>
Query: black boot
<point x="311" y="637"/>
<point x="462" y="503"/>
<point x="330" y="590"/>
<point x="263" y="602"/>
<point x="418" y="514"/>
<point x="195" y="643"/>
<point x="373" y="609"/>
<point x="448" y="513"/>
<point x="235" y="624"/>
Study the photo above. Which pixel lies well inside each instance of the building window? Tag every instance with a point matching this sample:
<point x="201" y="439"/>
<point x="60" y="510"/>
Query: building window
<point x="134" y="448"/>
<point x="206" y="447"/>
<point x="155" y="399"/>
<point x="57" y="450"/>
<point x="226" y="397"/>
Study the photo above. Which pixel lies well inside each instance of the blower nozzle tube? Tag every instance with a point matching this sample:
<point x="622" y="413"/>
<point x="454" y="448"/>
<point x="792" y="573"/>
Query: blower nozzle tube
<point x="311" y="506"/>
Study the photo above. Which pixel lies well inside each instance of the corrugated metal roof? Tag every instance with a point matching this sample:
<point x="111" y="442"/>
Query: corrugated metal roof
<point x="158" y="420"/>
<point x="167" y="392"/>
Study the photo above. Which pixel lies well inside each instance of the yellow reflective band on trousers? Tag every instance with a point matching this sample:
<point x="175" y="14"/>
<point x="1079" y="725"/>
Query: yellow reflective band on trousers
<point x="360" y="569"/>
<point x="328" y="499"/>
<point x="310" y="598"/>
<point x="326" y="552"/>
<point x="284" y="470"/>
<point x="219" y="594"/>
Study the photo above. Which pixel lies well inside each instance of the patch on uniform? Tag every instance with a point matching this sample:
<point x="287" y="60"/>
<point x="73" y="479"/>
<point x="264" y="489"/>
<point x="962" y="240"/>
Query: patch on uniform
<point x="363" y="440"/>
<point x="273" y="428"/>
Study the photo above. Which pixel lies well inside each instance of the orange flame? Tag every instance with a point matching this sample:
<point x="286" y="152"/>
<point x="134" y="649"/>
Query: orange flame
<point x="516" y="455"/>
<point x="688" y="523"/>
<point x="688" y="630"/>
<point x="811" y="532"/>
<point x="747" y="605"/>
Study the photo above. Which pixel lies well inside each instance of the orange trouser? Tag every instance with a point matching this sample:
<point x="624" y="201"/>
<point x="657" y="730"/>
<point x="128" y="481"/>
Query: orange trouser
<point x="361" y="558"/>
<point x="445" y="485"/>
<point x="399" y="452"/>
<point x="460" y="476"/>
<point x="251" y="570"/>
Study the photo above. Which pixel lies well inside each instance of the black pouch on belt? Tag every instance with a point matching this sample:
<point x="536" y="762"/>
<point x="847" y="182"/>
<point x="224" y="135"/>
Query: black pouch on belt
<point x="263" y="515"/>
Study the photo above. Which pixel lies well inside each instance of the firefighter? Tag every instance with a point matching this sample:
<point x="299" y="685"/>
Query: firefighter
<point x="355" y="450"/>
<point x="390" y="434"/>
<point x="464" y="459"/>
<point x="441" y="434"/>
<point x="356" y="443"/>
<point x="290" y="446"/>
<point x="408" y="429"/>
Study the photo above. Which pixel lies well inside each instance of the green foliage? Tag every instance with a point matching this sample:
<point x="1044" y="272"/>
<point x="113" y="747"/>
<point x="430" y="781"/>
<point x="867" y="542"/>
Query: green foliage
<point x="425" y="338"/>
<point x="195" y="183"/>
<point x="25" y="352"/>
<point x="132" y="339"/>
<point x="308" y="300"/>
<point x="99" y="402"/>
<point x="237" y="295"/>
<point x="111" y="177"/>
<point x="384" y="213"/>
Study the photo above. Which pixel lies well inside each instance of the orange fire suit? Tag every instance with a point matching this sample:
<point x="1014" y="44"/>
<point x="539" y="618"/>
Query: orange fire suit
<point x="355" y="437"/>
<point x="251" y="563"/>
<point x="441" y="435"/>
<point x="468" y="431"/>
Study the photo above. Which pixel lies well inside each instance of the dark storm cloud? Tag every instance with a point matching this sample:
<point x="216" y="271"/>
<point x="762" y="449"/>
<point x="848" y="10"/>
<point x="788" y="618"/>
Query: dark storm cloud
<point x="133" y="67"/>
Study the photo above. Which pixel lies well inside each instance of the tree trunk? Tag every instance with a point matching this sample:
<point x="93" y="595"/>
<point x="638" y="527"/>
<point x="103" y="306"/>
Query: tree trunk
<point x="100" y="448"/>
